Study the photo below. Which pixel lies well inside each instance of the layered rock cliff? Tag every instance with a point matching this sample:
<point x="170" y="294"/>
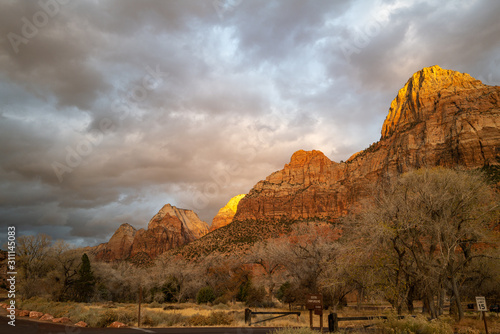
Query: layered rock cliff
<point x="226" y="213"/>
<point x="169" y="228"/>
<point x="439" y="118"/>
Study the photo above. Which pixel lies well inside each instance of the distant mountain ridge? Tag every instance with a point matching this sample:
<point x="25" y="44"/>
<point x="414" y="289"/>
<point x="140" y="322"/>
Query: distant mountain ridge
<point x="439" y="118"/>
<point x="170" y="228"/>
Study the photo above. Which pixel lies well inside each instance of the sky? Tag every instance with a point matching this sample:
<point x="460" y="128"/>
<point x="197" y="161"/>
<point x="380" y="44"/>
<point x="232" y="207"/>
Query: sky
<point x="111" y="109"/>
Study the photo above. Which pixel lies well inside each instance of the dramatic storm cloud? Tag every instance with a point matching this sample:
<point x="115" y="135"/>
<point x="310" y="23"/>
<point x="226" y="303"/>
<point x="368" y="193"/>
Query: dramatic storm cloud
<point x="111" y="109"/>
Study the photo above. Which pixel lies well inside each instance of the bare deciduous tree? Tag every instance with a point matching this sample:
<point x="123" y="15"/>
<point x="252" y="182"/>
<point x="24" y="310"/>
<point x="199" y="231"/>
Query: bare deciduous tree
<point x="423" y="228"/>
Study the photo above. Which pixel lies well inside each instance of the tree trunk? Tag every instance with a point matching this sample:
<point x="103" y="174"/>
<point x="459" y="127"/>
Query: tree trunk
<point x="456" y="294"/>
<point x="442" y="294"/>
<point x="432" y="306"/>
<point x="409" y="299"/>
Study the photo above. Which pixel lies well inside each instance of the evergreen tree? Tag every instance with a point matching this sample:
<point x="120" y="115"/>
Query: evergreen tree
<point x="86" y="282"/>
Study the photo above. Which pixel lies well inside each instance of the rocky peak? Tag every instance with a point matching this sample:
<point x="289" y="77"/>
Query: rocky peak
<point x="169" y="228"/>
<point x="421" y="92"/>
<point x="190" y="221"/>
<point x="302" y="158"/>
<point x="304" y="167"/>
<point x="126" y="229"/>
<point x="439" y="118"/>
<point x="226" y="213"/>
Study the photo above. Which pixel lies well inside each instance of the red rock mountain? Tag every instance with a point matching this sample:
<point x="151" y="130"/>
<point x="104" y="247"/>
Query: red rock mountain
<point x="439" y="118"/>
<point x="226" y="213"/>
<point x="169" y="228"/>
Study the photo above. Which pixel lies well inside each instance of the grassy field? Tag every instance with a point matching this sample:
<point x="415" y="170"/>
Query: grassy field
<point x="189" y="314"/>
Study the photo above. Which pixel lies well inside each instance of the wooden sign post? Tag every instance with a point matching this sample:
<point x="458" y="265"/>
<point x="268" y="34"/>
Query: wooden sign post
<point x="314" y="302"/>
<point x="481" y="307"/>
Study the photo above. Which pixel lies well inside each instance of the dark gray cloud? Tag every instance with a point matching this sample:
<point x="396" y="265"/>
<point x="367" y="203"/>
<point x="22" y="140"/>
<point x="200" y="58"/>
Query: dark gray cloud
<point x="110" y="109"/>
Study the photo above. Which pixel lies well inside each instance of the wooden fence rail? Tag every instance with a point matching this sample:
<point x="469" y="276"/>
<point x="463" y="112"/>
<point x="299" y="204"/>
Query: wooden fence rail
<point x="333" y="320"/>
<point x="249" y="313"/>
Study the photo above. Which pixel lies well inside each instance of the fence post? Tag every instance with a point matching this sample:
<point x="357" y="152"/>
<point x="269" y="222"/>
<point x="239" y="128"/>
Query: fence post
<point x="248" y="316"/>
<point x="333" y="322"/>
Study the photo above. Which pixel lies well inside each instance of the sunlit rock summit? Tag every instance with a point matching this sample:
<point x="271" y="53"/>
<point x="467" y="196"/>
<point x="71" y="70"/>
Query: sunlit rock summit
<point x="226" y="213"/>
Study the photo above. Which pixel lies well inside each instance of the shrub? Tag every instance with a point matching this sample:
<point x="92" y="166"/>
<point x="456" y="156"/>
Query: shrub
<point x="220" y="306"/>
<point x="418" y="325"/>
<point x="256" y="297"/>
<point x="105" y="319"/>
<point x="214" y="319"/>
<point x="155" y="305"/>
<point x="205" y="295"/>
<point x="161" y="319"/>
<point x="221" y="319"/>
<point x="171" y="319"/>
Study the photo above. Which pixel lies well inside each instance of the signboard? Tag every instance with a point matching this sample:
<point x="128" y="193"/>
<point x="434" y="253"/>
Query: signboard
<point x="318" y="311"/>
<point x="314" y="302"/>
<point x="481" y="304"/>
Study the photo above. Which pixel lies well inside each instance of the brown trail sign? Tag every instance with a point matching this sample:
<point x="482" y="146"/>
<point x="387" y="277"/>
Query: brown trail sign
<point x="314" y="302"/>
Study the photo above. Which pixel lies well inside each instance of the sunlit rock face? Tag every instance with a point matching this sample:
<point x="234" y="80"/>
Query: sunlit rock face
<point x="226" y="213"/>
<point x="439" y="118"/>
<point x="169" y="228"/>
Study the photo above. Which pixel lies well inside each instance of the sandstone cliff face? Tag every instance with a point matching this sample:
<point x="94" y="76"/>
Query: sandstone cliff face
<point x="169" y="228"/>
<point x="226" y="213"/>
<point x="119" y="246"/>
<point x="439" y="118"/>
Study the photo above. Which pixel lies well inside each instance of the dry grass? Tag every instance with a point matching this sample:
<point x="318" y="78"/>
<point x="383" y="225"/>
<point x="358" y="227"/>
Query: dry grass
<point x="473" y="325"/>
<point x="103" y="314"/>
<point x="189" y="314"/>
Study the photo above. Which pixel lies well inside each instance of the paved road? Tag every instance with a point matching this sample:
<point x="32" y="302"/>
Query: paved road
<point x="32" y="327"/>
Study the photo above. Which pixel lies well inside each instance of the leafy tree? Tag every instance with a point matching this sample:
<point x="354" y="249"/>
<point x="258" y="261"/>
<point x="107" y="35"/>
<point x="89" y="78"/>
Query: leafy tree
<point x="243" y="291"/>
<point x="205" y="295"/>
<point x="287" y="293"/>
<point x="85" y="283"/>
